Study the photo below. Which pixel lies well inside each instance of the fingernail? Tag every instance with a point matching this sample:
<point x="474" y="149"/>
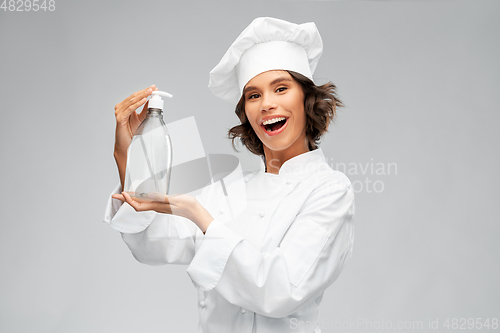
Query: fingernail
<point x="149" y="91"/>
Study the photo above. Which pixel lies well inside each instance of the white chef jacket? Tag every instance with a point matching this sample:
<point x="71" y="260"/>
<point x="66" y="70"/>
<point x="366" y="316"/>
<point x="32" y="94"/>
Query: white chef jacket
<point x="275" y="244"/>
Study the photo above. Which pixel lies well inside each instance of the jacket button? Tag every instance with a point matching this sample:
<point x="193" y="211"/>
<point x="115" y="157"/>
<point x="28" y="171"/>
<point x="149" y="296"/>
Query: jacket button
<point x="262" y="213"/>
<point x="247" y="179"/>
<point x="221" y="210"/>
<point x="288" y="182"/>
<point x="243" y="310"/>
<point x="202" y="304"/>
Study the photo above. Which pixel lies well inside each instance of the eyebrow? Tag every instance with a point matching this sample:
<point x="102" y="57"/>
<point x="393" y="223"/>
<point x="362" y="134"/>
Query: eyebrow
<point x="277" y="80"/>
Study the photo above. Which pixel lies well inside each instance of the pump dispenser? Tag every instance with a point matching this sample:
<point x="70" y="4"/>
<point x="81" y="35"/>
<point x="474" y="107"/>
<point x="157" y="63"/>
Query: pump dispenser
<point x="149" y="157"/>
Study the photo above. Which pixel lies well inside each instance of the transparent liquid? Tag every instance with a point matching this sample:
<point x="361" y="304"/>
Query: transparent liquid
<point x="149" y="161"/>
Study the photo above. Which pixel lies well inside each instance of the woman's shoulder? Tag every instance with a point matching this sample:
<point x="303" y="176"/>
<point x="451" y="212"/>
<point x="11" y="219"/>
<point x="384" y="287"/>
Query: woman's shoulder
<point x="325" y="175"/>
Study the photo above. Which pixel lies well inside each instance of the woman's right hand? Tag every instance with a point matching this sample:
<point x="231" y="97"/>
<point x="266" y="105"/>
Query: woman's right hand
<point x="127" y="120"/>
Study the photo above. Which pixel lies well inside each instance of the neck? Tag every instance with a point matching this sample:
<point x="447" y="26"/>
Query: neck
<point x="276" y="158"/>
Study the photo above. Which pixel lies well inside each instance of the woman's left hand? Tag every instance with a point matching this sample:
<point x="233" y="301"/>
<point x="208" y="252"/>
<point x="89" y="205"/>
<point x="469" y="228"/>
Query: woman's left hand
<point x="183" y="205"/>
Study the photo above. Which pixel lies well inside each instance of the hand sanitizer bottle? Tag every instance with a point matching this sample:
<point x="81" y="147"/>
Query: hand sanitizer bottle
<point x="149" y="157"/>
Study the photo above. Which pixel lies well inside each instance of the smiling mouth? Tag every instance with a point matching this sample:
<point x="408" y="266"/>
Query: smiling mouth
<point x="275" y="127"/>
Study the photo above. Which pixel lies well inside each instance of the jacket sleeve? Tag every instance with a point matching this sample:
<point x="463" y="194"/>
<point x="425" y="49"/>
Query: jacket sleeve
<point x="310" y="257"/>
<point x="153" y="238"/>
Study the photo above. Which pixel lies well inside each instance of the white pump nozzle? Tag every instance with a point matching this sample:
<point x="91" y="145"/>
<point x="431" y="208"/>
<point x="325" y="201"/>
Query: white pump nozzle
<point x="156" y="102"/>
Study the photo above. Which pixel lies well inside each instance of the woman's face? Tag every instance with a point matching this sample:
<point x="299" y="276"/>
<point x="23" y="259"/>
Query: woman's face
<point x="272" y="96"/>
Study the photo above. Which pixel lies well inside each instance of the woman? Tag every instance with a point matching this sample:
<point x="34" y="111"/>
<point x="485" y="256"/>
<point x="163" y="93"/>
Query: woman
<point x="262" y="259"/>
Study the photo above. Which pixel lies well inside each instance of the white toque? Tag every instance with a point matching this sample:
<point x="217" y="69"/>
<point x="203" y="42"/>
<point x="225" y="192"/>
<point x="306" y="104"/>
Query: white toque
<point x="266" y="44"/>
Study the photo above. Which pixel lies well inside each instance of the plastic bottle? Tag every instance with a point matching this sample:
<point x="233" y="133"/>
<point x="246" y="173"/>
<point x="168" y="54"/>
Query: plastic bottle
<point x="149" y="157"/>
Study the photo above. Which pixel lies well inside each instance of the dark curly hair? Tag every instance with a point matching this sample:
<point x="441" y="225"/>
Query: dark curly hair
<point x="320" y="106"/>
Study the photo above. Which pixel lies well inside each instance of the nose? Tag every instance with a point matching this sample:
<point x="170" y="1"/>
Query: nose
<point x="267" y="102"/>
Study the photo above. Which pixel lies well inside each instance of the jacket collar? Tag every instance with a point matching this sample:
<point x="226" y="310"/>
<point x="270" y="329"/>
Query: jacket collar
<point x="300" y="165"/>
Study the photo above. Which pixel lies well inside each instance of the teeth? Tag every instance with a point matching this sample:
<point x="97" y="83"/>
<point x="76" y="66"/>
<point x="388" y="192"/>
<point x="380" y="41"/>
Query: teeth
<point x="272" y="121"/>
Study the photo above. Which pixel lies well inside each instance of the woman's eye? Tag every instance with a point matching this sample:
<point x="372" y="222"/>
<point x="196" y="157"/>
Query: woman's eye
<point x="253" y="96"/>
<point x="281" y="89"/>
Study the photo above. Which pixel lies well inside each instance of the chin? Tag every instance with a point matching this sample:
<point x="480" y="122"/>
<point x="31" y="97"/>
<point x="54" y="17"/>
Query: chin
<point x="277" y="146"/>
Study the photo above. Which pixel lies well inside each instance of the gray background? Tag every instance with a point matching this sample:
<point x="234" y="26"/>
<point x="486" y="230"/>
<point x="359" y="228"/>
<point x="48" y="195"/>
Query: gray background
<point x="420" y="81"/>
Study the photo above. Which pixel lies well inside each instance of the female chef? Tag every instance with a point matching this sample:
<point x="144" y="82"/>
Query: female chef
<point x="262" y="256"/>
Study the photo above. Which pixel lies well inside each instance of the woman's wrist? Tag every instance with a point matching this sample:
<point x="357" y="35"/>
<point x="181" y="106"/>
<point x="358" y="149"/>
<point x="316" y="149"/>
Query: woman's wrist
<point x="120" y="155"/>
<point x="202" y="217"/>
<point x="121" y="164"/>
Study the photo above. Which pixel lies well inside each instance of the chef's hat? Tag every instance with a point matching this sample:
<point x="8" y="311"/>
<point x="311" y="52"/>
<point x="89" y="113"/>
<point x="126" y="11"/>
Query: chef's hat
<point x="266" y="44"/>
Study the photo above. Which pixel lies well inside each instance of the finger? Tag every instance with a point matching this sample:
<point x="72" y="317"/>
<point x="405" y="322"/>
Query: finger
<point x="132" y="97"/>
<point x="144" y="111"/>
<point x="136" y="205"/>
<point x="119" y="197"/>
<point x="135" y="100"/>
<point x="159" y="207"/>
<point x="136" y="202"/>
<point x="137" y="198"/>
<point x="128" y="197"/>
<point x="145" y="108"/>
<point x="123" y="116"/>
<point x="157" y="197"/>
<point x="140" y="93"/>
